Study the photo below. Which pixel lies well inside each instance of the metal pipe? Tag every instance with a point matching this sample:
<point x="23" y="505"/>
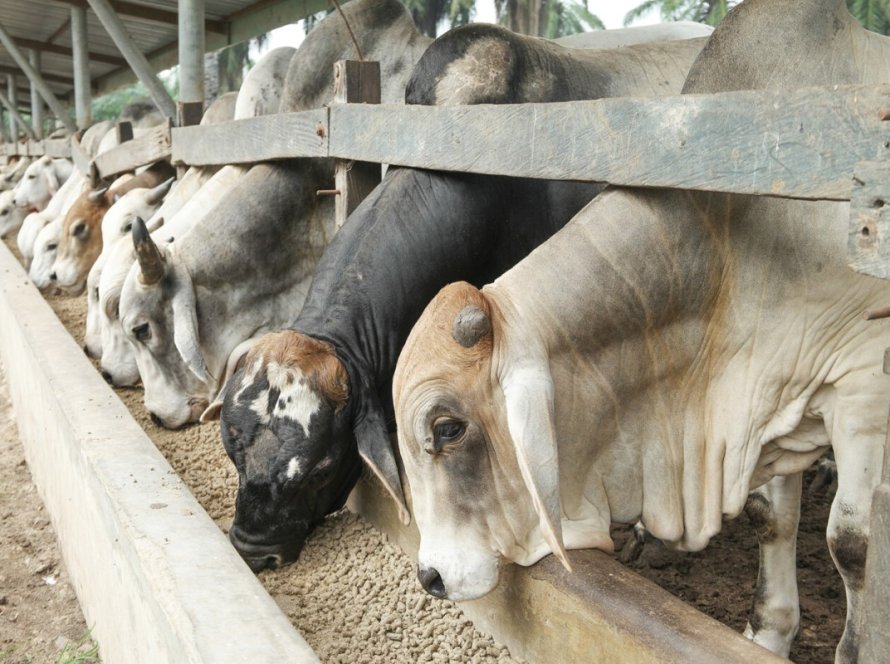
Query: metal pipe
<point x="82" y="109"/>
<point x="35" y="77"/>
<point x="36" y="101"/>
<point x="12" y="94"/>
<point x="134" y="57"/>
<point x="191" y="51"/>
<point x="14" y="118"/>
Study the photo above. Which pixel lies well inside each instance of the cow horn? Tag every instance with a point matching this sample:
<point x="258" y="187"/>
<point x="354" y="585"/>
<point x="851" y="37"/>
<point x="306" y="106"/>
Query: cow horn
<point x="151" y="262"/>
<point x="158" y="193"/>
<point x="470" y="325"/>
<point x="97" y="196"/>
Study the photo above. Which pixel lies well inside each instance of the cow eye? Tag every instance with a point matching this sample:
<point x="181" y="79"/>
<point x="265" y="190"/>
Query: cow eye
<point x="51" y="246"/>
<point x="32" y="176"/>
<point x="4" y="211"/>
<point x="128" y="227"/>
<point x="142" y="332"/>
<point x="447" y="430"/>
<point x="79" y="229"/>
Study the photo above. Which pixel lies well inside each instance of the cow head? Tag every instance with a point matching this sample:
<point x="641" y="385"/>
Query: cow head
<point x="287" y="428"/>
<point x="141" y="202"/>
<point x="159" y="316"/>
<point x="477" y="439"/>
<point x="118" y="362"/>
<point x="45" y="247"/>
<point x="37" y="185"/>
<point x="80" y="240"/>
<point x="92" y="345"/>
<point x="11" y="216"/>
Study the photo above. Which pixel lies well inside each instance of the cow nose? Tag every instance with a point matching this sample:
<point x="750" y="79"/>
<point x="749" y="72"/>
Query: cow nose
<point x="105" y="374"/>
<point x="431" y="581"/>
<point x="156" y="419"/>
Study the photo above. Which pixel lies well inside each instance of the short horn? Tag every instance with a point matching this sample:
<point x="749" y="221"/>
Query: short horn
<point x="470" y="325"/>
<point x="97" y="196"/>
<point x="157" y="194"/>
<point x="151" y="262"/>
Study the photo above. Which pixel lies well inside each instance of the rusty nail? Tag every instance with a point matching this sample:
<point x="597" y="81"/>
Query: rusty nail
<point x="319" y="131"/>
<point x="884" y="114"/>
<point x="327" y="192"/>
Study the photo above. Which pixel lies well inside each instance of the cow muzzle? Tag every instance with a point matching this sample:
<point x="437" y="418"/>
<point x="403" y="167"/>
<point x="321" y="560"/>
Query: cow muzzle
<point x="260" y="556"/>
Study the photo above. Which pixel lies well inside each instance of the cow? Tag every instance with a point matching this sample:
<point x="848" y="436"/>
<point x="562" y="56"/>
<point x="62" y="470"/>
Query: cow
<point x="11" y="216"/>
<point x="414" y="233"/>
<point x="40" y="181"/>
<point x="192" y="199"/>
<point x="12" y="173"/>
<point x="80" y="240"/>
<point x="262" y="240"/>
<point x="661" y="357"/>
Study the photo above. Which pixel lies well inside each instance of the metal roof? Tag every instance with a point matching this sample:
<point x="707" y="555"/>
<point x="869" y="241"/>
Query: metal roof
<point x="44" y="25"/>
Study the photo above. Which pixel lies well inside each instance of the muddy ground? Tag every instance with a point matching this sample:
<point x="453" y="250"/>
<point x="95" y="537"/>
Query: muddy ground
<point x="354" y="597"/>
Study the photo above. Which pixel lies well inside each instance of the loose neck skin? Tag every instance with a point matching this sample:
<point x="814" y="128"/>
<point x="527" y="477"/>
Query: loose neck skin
<point x="417" y="232"/>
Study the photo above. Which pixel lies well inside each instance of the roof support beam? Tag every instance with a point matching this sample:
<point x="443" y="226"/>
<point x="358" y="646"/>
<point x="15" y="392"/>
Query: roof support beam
<point x="51" y="78"/>
<point x="64" y="50"/>
<point x="81" y="67"/>
<point x="36" y="101"/>
<point x="12" y="111"/>
<point x="12" y="95"/>
<point x="191" y="62"/>
<point x="146" y="13"/>
<point x="35" y="78"/>
<point x="135" y="58"/>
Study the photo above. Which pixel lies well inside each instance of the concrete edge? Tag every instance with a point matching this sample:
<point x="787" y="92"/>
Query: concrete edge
<point x="156" y="578"/>
<point x="603" y="612"/>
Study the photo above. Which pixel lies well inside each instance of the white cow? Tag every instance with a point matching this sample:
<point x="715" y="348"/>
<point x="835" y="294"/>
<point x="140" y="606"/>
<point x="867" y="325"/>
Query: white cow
<point x="13" y="173"/>
<point x="660" y="357"/>
<point x="11" y="215"/>
<point x="42" y="179"/>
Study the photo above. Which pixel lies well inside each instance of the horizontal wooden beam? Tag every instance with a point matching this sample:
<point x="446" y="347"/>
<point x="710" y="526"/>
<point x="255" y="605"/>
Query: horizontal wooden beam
<point x="277" y="136"/>
<point x="148" y="148"/>
<point x="65" y="50"/>
<point x="147" y="13"/>
<point x="798" y="144"/>
<point x="49" y="78"/>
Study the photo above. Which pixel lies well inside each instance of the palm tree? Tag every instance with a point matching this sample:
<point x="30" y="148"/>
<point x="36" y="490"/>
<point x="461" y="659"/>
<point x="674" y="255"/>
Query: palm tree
<point x="429" y="13"/>
<point x="873" y="14"/>
<point x="702" y="11"/>
<point x="547" y="18"/>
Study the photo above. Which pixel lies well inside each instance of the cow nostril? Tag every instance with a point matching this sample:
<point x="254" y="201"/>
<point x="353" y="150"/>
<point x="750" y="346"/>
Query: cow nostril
<point x="156" y="419"/>
<point x="431" y="581"/>
<point x="52" y="276"/>
<point x="105" y="374"/>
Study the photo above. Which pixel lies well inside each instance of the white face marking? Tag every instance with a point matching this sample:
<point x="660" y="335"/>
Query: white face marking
<point x="296" y="400"/>
<point x="293" y="467"/>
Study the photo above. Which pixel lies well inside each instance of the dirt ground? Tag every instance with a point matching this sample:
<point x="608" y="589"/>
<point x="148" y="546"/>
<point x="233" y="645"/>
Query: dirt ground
<point x="354" y="597"/>
<point x="39" y="613"/>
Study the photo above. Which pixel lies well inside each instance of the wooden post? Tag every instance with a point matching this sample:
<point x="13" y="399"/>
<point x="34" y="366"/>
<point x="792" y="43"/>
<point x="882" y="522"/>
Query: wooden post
<point x="36" y="101"/>
<point x="354" y="82"/>
<point x="14" y="118"/>
<point x="80" y="56"/>
<point x="12" y="95"/>
<point x="36" y="79"/>
<point x="134" y="57"/>
<point x="191" y="62"/>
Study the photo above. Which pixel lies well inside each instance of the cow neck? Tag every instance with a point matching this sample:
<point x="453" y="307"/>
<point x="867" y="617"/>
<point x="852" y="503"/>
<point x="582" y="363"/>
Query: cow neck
<point x="417" y="232"/>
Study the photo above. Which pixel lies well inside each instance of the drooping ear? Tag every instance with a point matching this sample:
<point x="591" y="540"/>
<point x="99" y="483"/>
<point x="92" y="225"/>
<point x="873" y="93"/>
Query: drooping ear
<point x="528" y="392"/>
<point x="52" y="182"/>
<point x="235" y="362"/>
<point x="185" y="324"/>
<point x="375" y="447"/>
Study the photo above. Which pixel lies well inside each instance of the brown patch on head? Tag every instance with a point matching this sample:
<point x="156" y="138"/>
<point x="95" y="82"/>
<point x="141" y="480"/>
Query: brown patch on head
<point x="315" y="359"/>
<point x="89" y="213"/>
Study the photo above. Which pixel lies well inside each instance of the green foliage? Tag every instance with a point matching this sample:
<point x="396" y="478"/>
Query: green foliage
<point x="568" y="18"/>
<point x="83" y="651"/>
<point x="702" y="11"/>
<point x="873" y="14"/>
<point x="109" y="106"/>
<point x="429" y="13"/>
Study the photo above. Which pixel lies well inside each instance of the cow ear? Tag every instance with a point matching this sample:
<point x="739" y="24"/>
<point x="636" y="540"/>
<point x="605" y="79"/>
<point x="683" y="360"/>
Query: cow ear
<point x="375" y="448"/>
<point x="52" y="182"/>
<point x="185" y="325"/>
<point x="235" y="362"/>
<point x="528" y="392"/>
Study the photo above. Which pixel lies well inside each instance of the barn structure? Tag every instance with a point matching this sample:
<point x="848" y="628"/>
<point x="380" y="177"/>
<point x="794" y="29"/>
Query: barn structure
<point x="142" y="573"/>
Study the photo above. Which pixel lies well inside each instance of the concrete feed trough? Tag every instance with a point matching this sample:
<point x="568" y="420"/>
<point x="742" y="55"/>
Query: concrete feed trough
<point x="157" y="578"/>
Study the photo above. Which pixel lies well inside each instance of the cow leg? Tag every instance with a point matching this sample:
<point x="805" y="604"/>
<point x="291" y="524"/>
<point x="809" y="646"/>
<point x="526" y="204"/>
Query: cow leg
<point x="774" y="510"/>
<point x="859" y="465"/>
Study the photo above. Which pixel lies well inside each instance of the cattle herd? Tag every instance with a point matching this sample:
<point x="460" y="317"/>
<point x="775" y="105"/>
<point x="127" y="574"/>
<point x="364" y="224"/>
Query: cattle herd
<point x="554" y="356"/>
